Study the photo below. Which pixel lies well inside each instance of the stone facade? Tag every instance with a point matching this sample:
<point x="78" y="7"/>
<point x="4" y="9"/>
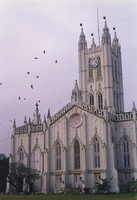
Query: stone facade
<point x="92" y="136"/>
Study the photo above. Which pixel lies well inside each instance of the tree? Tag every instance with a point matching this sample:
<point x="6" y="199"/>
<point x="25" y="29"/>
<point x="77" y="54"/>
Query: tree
<point x="19" y="174"/>
<point x="4" y="169"/>
<point x="104" y="186"/>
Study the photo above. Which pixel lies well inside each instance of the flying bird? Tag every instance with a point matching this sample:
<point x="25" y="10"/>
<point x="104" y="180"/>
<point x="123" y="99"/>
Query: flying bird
<point x="31" y="86"/>
<point x="35" y="57"/>
<point x="28" y="72"/>
<point x="19" y="98"/>
<point x="56" y="61"/>
<point x="37" y="76"/>
<point x="44" y="51"/>
<point x="0" y="83"/>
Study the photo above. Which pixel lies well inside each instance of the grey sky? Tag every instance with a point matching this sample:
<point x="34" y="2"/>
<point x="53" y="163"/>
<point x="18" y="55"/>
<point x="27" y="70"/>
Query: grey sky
<point x="27" y="27"/>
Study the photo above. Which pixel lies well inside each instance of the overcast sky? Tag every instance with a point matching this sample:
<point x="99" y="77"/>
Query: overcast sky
<point x="27" y="27"/>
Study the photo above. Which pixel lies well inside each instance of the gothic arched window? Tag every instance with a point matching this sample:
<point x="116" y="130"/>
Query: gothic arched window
<point x="37" y="159"/>
<point x="91" y="99"/>
<point x="58" y="156"/>
<point x="76" y="155"/>
<point x="21" y="155"/>
<point x="100" y="101"/>
<point x="96" y="148"/>
<point x="126" y="153"/>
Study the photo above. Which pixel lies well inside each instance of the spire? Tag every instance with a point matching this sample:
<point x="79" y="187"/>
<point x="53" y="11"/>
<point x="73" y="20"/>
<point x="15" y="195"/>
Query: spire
<point x="25" y="120"/>
<point x="82" y="41"/>
<point x="29" y="120"/>
<point x="44" y="121"/>
<point x="76" y="94"/>
<point x="36" y="118"/>
<point x="115" y="42"/>
<point x="93" y="45"/>
<point x="82" y="36"/>
<point x="106" y="35"/>
<point x="134" y="106"/>
<point x="14" y="124"/>
<point x="49" y="116"/>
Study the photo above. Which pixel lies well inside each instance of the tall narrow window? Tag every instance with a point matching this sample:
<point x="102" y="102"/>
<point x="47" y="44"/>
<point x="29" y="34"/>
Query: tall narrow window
<point x="21" y="155"/>
<point x="126" y="153"/>
<point x="99" y="70"/>
<point x="37" y="159"/>
<point x="96" y="147"/>
<point x="58" y="156"/>
<point x="100" y="101"/>
<point x="90" y="72"/>
<point x="77" y="155"/>
<point x="91" y="99"/>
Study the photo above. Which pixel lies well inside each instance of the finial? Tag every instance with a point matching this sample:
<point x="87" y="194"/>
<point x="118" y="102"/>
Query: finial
<point x="25" y="120"/>
<point x="114" y="28"/>
<point x="44" y="121"/>
<point x="29" y="120"/>
<point x="49" y="113"/>
<point x="36" y="105"/>
<point x="14" y="124"/>
<point x="105" y="105"/>
<point x="134" y="106"/>
<point x="104" y="17"/>
<point x="91" y="34"/>
<point x="80" y="24"/>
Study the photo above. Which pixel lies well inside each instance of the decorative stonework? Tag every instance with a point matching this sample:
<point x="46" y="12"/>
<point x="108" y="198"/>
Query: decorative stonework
<point x="75" y="120"/>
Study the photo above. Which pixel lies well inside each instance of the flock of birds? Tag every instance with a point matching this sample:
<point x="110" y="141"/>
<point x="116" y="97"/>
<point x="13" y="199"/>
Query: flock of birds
<point x="21" y="98"/>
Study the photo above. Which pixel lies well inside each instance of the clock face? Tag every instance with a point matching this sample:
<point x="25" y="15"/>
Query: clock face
<point x="75" y="120"/>
<point x="93" y="62"/>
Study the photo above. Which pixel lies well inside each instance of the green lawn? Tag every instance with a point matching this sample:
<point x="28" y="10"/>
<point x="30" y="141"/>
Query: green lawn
<point x="70" y="197"/>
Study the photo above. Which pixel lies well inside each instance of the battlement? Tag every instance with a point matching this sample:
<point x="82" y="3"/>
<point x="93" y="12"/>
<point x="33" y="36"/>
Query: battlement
<point x="122" y="116"/>
<point x="25" y="128"/>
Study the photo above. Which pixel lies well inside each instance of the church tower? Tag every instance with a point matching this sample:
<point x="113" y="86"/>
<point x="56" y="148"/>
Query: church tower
<point x="100" y="72"/>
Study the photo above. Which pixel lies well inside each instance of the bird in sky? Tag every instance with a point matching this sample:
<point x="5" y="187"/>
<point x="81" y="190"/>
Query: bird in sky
<point x="19" y="98"/>
<point x="37" y="76"/>
<point x="44" y="51"/>
<point x="31" y="86"/>
<point x="28" y="72"/>
<point x="56" y="61"/>
<point x="0" y="83"/>
<point x="35" y="57"/>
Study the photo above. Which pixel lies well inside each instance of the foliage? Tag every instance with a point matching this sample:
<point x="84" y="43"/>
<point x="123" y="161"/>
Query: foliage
<point x="2" y="156"/>
<point x="19" y="172"/>
<point x="131" y="186"/>
<point x="4" y="169"/>
<point x="104" y="186"/>
<point x="86" y="190"/>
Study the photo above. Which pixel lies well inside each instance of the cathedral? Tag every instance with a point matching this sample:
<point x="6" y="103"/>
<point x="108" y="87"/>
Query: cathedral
<point x="92" y="136"/>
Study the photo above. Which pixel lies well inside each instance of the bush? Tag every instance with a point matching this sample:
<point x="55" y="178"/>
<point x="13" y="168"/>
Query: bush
<point x="103" y="187"/>
<point x="86" y="190"/>
<point x="131" y="186"/>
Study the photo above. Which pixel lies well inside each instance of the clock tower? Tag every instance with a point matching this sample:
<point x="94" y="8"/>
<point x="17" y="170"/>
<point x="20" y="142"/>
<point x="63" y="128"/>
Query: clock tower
<point x="100" y="72"/>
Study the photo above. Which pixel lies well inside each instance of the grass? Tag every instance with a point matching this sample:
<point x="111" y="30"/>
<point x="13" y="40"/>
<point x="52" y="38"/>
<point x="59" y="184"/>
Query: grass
<point x="130" y="196"/>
